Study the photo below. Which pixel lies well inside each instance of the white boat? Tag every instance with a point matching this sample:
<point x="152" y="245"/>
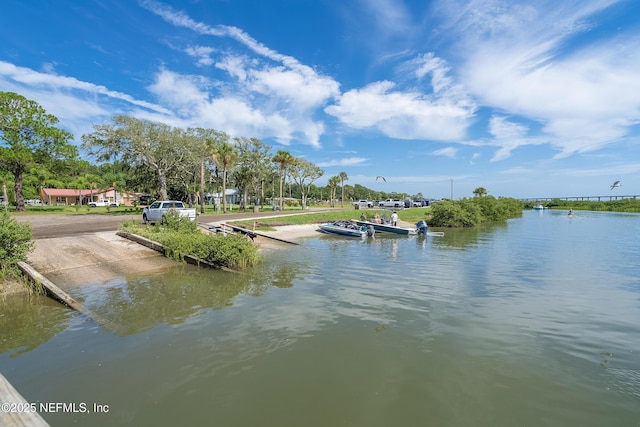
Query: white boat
<point x="386" y="228"/>
<point x="421" y="228"/>
<point x="539" y="207"/>
<point x="344" y="228"/>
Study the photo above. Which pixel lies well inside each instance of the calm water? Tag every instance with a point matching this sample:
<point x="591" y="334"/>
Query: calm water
<point x="531" y="323"/>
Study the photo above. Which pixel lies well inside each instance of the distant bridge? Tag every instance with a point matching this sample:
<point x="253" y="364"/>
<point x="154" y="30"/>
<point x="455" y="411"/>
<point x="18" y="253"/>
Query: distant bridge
<point x="588" y="198"/>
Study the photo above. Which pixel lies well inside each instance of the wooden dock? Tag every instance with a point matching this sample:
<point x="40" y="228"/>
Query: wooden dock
<point x="253" y="233"/>
<point x="16" y="411"/>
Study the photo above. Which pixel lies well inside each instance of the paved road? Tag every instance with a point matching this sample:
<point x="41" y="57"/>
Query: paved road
<point x="51" y="226"/>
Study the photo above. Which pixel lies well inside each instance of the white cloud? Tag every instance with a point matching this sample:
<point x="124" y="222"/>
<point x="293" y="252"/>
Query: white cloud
<point x="202" y="54"/>
<point x="436" y="108"/>
<point x="26" y="77"/>
<point x="78" y="105"/>
<point x="402" y="115"/>
<point x="350" y="161"/>
<point x="521" y="60"/>
<point x="287" y="90"/>
<point x="446" y="152"/>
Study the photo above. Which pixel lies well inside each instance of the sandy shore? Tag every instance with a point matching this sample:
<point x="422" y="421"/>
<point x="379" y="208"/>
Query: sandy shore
<point x="287" y="232"/>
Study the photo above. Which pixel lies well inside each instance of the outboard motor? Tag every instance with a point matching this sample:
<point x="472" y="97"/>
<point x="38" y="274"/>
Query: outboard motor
<point x="422" y="227"/>
<point x="370" y="230"/>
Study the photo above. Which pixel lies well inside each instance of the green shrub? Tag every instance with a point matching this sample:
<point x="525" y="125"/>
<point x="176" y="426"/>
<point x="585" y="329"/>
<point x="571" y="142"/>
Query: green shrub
<point x="172" y="221"/>
<point x="181" y="237"/>
<point x="471" y="212"/>
<point x="16" y="241"/>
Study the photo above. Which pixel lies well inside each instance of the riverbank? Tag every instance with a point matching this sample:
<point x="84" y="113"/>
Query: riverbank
<point x="93" y="257"/>
<point x="101" y="256"/>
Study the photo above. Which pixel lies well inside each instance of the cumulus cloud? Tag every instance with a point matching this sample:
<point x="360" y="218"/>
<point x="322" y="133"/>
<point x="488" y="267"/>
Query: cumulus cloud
<point x="441" y="114"/>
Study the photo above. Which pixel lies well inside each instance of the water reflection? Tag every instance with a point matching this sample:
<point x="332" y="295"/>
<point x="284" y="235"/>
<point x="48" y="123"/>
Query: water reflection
<point x="524" y="323"/>
<point x="172" y="296"/>
<point x="28" y="321"/>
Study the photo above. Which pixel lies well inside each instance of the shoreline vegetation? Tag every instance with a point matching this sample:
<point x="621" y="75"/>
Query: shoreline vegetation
<point x="621" y="205"/>
<point x="182" y="237"/>
<point x="236" y="252"/>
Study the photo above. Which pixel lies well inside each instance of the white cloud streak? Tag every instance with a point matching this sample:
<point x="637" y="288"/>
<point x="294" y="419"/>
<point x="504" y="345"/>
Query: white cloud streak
<point x="278" y="91"/>
<point x="521" y="60"/>
<point x="349" y="161"/>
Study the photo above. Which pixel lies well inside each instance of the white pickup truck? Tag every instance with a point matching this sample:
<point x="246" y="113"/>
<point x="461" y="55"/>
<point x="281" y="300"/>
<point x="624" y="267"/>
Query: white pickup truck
<point x="392" y="203"/>
<point x="156" y="210"/>
<point x="363" y="204"/>
<point x="102" y="203"/>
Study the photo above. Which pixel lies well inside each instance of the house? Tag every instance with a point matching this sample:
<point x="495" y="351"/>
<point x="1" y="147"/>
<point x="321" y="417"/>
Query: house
<point x="64" y="196"/>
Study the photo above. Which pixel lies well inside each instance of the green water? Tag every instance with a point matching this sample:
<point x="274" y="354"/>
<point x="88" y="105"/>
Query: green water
<point x="531" y="323"/>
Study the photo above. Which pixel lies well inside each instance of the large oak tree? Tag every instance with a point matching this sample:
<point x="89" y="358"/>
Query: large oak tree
<point x="161" y="148"/>
<point x="29" y="136"/>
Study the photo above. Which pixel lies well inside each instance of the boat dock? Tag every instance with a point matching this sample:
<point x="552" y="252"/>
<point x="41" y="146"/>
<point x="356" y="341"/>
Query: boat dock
<point x="251" y="233"/>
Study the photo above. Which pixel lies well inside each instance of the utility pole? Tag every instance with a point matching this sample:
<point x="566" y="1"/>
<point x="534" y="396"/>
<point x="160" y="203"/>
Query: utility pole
<point x="452" y="189"/>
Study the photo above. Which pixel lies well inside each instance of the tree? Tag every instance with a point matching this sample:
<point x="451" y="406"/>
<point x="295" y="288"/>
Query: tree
<point x="343" y="177"/>
<point x="142" y="144"/>
<point x="252" y="167"/>
<point x="304" y="173"/>
<point x="480" y="191"/>
<point x="201" y="140"/>
<point x="284" y="159"/>
<point x="225" y="155"/>
<point x="332" y="184"/>
<point x="28" y="136"/>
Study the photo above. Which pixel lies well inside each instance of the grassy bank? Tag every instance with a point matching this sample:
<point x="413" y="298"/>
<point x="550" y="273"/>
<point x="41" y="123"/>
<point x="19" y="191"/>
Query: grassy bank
<point x="182" y="237"/>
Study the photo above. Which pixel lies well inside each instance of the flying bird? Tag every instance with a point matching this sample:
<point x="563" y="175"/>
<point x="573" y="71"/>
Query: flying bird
<point x="616" y="184"/>
<point x="380" y="176"/>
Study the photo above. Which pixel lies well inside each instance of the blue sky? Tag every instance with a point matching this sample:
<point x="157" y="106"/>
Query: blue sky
<point x="526" y="99"/>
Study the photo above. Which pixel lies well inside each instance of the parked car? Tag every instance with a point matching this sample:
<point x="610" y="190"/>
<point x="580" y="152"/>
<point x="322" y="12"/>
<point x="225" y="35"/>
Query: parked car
<point x="102" y="203"/>
<point x="158" y="209"/>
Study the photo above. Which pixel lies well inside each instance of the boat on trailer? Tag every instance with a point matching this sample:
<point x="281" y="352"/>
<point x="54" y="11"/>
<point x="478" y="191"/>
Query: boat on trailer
<point x="344" y="228"/>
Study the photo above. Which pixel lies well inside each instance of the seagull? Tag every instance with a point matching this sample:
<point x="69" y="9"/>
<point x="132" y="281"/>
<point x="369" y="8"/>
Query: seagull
<point x="379" y="176"/>
<point x="616" y="184"/>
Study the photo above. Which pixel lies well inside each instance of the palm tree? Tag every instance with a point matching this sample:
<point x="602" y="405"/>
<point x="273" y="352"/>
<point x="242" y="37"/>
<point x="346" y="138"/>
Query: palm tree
<point x="480" y="191"/>
<point x="225" y="155"/>
<point x="343" y="177"/>
<point x="284" y="159"/>
<point x="332" y="184"/>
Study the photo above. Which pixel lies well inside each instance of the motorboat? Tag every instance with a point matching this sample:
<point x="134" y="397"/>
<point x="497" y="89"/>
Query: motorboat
<point x="344" y="228"/>
<point x="420" y="228"/>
